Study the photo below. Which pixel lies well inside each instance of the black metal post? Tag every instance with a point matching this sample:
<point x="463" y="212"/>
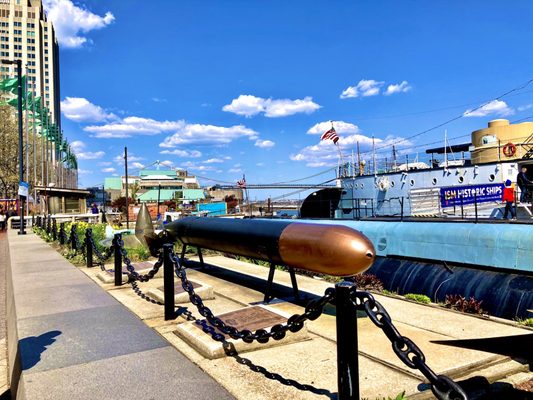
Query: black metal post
<point x="54" y="230"/>
<point x="347" y="351"/>
<point x="168" y="280"/>
<point x="462" y="209"/>
<point x="104" y="218"/>
<point x="401" y="208"/>
<point x="21" y="144"/>
<point x="127" y="200"/>
<point x="62" y="233"/>
<point x="73" y="244"/>
<point x="268" y="296"/>
<point x="89" y="247"/>
<point x="118" y="259"/>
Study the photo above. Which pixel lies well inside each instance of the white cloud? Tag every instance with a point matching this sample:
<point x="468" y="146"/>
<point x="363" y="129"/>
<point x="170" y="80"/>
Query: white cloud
<point x="235" y="170"/>
<point x="324" y="153"/>
<point x="71" y="22"/>
<point x="78" y="146"/>
<point x="264" y="144"/>
<point x="183" y="153"/>
<point x="526" y="107"/>
<point x="249" y="106"/>
<point x="131" y="158"/>
<point x="340" y="127"/>
<point x="84" y="171"/>
<point x="167" y="163"/>
<point x="398" y="88"/>
<point x="207" y="134"/>
<point x="131" y="126"/>
<point x="104" y="163"/>
<point x="495" y="107"/>
<point x="158" y="100"/>
<point x="213" y="160"/>
<point x="80" y="109"/>
<point x="246" y="105"/>
<point x="365" y="88"/>
<point x="137" y="165"/>
<point x="109" y="170"/>
<point x="193" y="166"/>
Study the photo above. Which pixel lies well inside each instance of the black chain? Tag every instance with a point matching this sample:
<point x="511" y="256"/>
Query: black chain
<point x="296" y="322"/>
<point x="101" y="257"/>
<point x="442" y="387"/>
<point x="139" y="293"/>
<point x="134" y="275"/>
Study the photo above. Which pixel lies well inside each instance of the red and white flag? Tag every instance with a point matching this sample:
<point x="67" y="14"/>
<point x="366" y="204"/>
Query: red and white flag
<point x="241" y="182"/>
<point x="330" y="135"/>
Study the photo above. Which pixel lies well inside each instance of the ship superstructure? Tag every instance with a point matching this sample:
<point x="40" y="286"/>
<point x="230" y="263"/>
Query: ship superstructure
<point x="467" y="181"/>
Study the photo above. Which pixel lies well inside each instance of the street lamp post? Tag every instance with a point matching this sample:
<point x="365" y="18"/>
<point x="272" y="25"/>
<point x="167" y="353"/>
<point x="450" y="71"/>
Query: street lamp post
<point x="18" y="63"/>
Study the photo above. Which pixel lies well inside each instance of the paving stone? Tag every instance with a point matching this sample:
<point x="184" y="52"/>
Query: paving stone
<point x="162" y="374"/>
<point x="63" y="339"/>
<point x="43" y="301"/>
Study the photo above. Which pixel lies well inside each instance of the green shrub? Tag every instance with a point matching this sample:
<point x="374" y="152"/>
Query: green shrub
<point x="526" y="322"/>
<point x="419" y="298"/>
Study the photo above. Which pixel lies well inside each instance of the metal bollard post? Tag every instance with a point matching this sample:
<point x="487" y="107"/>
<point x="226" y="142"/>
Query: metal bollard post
<point x="62" y="233"/>
<point x="118" y="259"/>
<point x="89" y="247"/>
<point x="54" y="230"/>
<point x="347" y="353"/>
<point x="73" y="244"/>
<point x="168" y="280"/>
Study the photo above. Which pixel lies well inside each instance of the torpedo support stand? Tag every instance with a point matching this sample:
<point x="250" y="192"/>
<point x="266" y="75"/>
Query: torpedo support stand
<point x="347" y="351"/>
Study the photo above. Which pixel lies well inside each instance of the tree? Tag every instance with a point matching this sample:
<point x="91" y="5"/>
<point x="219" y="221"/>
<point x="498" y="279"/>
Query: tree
<point x="120" y="203"/>
<point x="8" y="153"/>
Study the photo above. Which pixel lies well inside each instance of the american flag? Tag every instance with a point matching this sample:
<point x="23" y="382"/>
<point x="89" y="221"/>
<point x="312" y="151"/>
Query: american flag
<point x="242" y="182"/>
<point x="330" y="135"/>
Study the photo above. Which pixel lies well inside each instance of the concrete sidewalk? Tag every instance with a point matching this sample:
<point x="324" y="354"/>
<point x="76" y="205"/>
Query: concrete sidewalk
<point x="308" y="369"/>
<point x="69" y="339"/>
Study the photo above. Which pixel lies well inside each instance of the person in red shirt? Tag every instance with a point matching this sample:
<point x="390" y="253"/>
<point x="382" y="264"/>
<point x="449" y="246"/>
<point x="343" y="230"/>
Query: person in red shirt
<point x="508" y="198"/>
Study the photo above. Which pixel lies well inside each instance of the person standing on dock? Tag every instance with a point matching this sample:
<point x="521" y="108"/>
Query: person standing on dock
<point x="508" y="198"/>
<point x="522" y="181"/>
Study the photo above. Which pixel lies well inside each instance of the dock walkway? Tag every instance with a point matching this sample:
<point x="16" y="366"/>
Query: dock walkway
<point x="69" y="339"/>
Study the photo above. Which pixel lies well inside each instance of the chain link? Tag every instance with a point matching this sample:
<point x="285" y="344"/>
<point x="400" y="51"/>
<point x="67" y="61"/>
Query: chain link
<point x="101" y="257"/>
<point x="296" y="322"/>
<point x="134" y="275"/>
<point x="407" y="351"/>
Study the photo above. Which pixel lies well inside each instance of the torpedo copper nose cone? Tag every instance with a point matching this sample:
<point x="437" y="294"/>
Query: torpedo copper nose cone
<point x="328" y="249"/>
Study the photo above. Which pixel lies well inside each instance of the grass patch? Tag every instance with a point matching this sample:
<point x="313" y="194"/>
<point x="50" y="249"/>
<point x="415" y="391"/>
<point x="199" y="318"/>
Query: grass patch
<point x="419" y="298"/>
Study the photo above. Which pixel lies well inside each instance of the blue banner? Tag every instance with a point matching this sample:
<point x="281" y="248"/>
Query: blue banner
<point x="457" y="195"/>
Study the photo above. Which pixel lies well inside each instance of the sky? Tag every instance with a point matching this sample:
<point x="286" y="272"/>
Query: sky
<point x="243" y="87"/>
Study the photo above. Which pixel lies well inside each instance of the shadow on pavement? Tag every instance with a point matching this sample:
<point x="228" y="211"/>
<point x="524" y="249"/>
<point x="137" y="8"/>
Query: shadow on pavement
<point x="32" y="347"/>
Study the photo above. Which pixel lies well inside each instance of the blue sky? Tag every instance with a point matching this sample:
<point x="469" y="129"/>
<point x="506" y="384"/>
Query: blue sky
<point x="226" y="88"/>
